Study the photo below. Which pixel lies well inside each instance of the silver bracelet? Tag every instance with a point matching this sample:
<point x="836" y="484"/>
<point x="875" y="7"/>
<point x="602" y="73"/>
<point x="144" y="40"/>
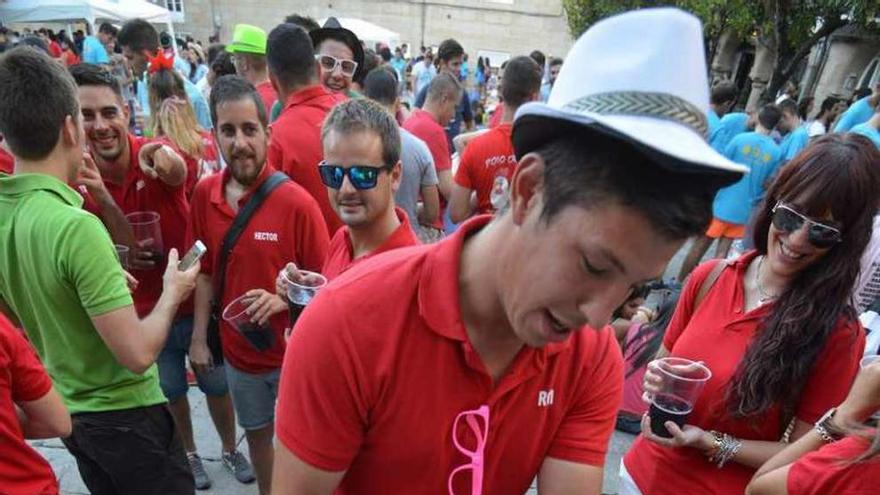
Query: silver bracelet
<point x="726" y="449"/>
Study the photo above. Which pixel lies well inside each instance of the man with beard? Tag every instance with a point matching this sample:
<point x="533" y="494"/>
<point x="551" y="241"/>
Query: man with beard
<point x="295" y="147"/>
<point x="286" y="227"/>
<point x="60" y="280"/>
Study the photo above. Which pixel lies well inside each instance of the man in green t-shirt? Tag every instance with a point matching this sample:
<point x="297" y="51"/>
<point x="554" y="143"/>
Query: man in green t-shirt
<point x="61" y="282"/>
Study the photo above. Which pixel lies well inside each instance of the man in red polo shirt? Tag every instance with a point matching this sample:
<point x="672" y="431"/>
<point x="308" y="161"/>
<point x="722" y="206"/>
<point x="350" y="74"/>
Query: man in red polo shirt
<point x="488" y="162"/>
<point x="426" y="123"/>
<point x="248" y="50"/>
<point x="287" y="227"/>
<point x="295" y="147"/>
<point x="159" y="189"/>
<point x="474" y="364"/>
<point x="361" y="171"/>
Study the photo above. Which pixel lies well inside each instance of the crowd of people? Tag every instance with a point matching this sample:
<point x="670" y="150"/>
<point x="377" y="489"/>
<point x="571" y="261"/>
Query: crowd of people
<point x="391" y="289"/>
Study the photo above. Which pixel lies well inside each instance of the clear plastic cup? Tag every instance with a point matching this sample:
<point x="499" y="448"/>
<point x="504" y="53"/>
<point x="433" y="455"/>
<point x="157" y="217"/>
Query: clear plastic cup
<point x="122" y="252"/>
<point x="301" y="292"/>
<point x="148" y="237"/>
<point x="235" y="313"/>
<point x="683" y="381"/>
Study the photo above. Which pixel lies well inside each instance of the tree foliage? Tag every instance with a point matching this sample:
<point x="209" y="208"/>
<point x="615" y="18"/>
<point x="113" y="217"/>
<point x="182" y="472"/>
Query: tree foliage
<point x="790" y="28"/>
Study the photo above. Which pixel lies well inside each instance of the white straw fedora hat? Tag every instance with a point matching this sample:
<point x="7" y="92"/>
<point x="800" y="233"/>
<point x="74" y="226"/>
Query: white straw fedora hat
<point x="640" y="77"/>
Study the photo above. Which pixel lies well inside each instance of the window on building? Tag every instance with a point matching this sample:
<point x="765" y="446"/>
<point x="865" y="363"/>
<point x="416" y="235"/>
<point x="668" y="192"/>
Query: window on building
<point x="871" y="75"/>
<point x="174" y="6"/>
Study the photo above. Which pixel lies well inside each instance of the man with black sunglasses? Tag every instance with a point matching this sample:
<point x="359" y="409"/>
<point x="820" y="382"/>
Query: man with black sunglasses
<point x="361" y="170"/>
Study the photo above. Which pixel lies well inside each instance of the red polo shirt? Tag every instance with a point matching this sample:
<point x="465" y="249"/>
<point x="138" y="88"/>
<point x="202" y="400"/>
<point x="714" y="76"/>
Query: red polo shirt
<point x="340" y="257"/>
<point x="380" y="365"/>
<point x="7" y="162"/>
<point x="295" y="147"/>
<point x="286" y="228"/>
<point x="485" y="158"/>
<point x="138" y="192"/>
<point x="423" y="126"/>
<point x="830" y="470"/>
<point x="267" y="94"/>
<point x="22" y="379"/>
<point x="718" y="334"/>
<point x="495" y="119"/>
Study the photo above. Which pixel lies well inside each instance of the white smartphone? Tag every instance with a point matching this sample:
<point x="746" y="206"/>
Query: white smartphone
<point x="194" y="254"/>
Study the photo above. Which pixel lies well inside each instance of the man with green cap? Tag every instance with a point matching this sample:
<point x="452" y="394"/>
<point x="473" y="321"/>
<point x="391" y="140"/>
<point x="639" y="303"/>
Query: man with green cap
<point x="248" y="49"/>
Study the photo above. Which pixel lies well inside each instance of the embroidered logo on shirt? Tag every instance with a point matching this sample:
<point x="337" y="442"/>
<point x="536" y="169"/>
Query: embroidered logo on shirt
<point x="545" y="398"/>
<point x="140" y="185"/>
<point x="266" y="236"/>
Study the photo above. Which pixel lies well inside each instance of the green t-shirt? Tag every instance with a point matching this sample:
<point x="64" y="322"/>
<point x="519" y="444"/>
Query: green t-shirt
<point x="58" y="268"/>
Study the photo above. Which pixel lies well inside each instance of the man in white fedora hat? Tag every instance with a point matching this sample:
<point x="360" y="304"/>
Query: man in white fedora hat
<point x="477" y="363"/>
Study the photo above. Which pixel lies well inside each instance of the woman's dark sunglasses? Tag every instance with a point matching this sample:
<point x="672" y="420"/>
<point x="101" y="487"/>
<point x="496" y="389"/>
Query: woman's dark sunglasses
<point x="820" y="235"/>
<point x="361" y="176"/>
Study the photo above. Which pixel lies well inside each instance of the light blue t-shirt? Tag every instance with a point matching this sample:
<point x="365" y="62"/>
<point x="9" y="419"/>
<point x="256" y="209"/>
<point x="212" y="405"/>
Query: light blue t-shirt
<point x="869" y="132"/>
<point x="859" y="112"/>
<point x="714" y="127"/>
<point x="760" y="154"/>
<point x="729" y="127"/>
<point x="94" y="52"/>
<point x="794" y="142"/>
<point x="196" y="99"/>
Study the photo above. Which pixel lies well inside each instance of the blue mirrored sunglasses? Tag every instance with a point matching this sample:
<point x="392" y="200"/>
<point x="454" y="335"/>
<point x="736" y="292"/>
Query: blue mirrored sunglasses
<point x="361" y="176"/>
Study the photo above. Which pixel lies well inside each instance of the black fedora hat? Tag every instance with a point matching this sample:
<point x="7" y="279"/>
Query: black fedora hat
<point x="333" y="30"/>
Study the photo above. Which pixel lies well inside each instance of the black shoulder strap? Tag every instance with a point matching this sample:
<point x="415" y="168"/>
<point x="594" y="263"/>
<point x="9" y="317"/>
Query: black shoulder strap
<point x="238" y="225"/>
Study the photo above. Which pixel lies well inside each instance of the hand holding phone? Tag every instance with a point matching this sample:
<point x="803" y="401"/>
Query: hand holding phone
<point x="194" y="254"/>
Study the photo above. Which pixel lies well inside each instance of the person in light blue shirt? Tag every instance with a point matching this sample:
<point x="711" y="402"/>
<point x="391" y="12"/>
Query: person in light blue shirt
<point x="870" y="129"/>
<point x="553" y="68"/>
<point x="722" y="100"/>
<point x="797" y="136"/>
<point x="731" y="125"/>
<point x="734" y="203"/>
<point x="94" y="51"/>
<point x="859" y="112"/>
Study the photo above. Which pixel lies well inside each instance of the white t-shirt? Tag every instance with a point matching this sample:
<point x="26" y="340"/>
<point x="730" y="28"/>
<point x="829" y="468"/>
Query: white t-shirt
<point x="816" y="128"/>
<point x="868" y="285"/>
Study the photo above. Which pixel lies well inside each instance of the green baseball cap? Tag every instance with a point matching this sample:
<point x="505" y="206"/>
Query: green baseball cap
<point x="247" y="39"/>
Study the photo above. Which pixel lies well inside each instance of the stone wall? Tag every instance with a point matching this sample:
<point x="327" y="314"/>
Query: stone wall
<point x="847" y="58"/>
<point x="511" y="26"/>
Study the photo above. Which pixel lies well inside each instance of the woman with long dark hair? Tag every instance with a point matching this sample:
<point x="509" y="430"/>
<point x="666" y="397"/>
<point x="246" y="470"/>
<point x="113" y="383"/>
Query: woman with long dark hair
<point x="776" y="327"/>
<point x="833" y="464"/>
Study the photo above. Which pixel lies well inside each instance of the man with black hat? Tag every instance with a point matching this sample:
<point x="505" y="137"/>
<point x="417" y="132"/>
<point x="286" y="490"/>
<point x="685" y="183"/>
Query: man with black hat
<point x="499" y="324"/>
<point x="340" y="57"/>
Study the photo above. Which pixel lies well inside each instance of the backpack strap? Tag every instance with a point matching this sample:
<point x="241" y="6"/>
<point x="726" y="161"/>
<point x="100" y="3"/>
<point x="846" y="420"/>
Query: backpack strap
<point x="709" y="282"/>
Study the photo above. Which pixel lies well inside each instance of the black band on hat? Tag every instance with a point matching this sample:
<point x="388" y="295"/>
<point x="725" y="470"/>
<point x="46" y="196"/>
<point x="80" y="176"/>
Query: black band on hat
<point x="643" y="104"/>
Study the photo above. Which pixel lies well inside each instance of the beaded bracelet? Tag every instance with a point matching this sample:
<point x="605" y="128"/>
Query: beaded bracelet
<point x="725" y="448"/>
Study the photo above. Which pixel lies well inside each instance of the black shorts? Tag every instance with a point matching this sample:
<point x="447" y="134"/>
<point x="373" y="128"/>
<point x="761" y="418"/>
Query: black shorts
<point x="132" y="451"/>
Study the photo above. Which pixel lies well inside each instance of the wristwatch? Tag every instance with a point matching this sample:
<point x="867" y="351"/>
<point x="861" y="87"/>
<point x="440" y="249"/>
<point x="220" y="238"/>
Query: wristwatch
<point x="826" y="429"/>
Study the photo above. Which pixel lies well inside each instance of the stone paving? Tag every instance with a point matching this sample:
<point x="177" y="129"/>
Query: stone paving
<point x="225" y="484"/>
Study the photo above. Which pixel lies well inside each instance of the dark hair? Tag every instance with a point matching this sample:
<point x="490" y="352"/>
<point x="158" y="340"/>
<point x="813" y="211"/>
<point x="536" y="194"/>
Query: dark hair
<point x="34" y="42"/>
<point x="861" y="93"/>
<point x="222" y="64"/>
<point x="539" y="58"/>
<point x="236" y="88"/>
<point x="644" y="344"/>
<point x="95" y="75"/>
<point x="589" y="169"/>
<point x="107" y="28"/>
<point x="836" y="173"/>
<point x="214" y="50"/>
<point x="804" y="106"/>
<point x="371" y="61"/>
<point x="449" y="49"/>
<point x="385" y="53"/>
<point x="362" y="115"/>
<point x="138" y="35"/>
<point x="302" y="21"/>
<point x="381" y="85"/>
<point x="769" y="116"/>
<point x="723" y="92"/>
<point x="65" y="41"/>
<point x="555" y="61"/>
<point x="522" y="79"/>
<point x="290" y="55"/>
<point x="444" y="85"/>
<point x="827" y="105"/>
<point x="788" y="106"/>
<point x="638" y="292"/>
<point x="36" y="96"/>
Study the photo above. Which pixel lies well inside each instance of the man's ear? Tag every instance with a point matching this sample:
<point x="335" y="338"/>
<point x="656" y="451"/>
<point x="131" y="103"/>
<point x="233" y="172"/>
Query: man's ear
<point x="70" y="132"/>
<point x="527" y="187"/>
<point x="396" y="174"/>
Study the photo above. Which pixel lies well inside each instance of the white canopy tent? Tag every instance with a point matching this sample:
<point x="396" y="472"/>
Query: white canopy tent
<point x="368" y="32"/>
<point x="90" y="11"/>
